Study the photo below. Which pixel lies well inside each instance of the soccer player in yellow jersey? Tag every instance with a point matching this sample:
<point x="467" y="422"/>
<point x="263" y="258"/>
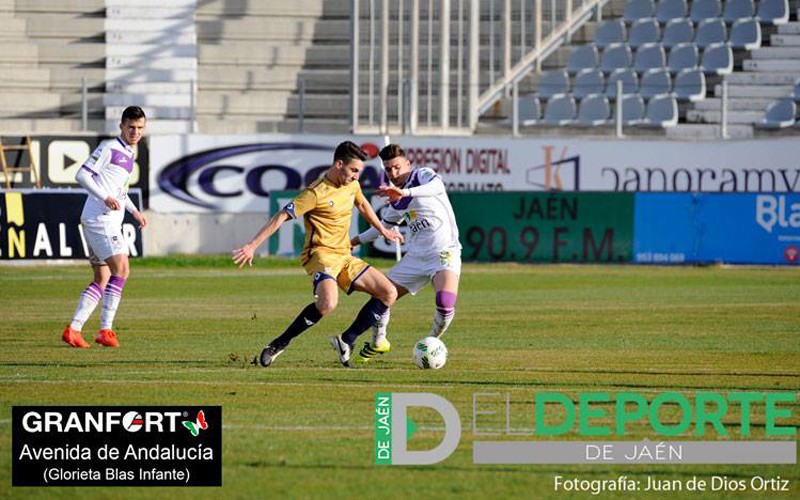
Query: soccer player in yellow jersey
<point x="327" y="206"/>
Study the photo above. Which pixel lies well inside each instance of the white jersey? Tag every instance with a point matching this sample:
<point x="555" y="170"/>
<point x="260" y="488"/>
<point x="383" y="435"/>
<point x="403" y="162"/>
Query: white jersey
<point x="431" y="222"/>
<point x="111" y="165"/>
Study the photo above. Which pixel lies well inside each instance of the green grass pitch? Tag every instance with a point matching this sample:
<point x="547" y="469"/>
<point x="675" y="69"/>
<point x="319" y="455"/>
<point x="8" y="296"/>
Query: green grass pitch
<point x="304" y="428"/>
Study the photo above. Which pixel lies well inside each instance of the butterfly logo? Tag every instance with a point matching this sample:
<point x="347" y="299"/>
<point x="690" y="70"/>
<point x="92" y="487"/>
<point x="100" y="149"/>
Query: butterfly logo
<point x="198" y="425"/>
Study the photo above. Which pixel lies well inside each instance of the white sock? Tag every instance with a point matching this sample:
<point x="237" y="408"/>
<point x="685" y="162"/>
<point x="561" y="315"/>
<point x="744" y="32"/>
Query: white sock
<point x="441" y="322"/>
<point x="111" y="299"/>
<point x="87" y="302"/>
<point x="379" y="329"/>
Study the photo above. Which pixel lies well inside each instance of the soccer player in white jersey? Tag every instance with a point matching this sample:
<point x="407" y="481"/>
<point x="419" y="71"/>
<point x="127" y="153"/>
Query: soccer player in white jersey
<point x="106" y="176"/>
<point x="433" y="253"/>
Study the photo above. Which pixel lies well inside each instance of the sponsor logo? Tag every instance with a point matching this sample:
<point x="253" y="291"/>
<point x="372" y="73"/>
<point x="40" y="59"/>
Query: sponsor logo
<point x="556" y="174"/>
<point x="791" y="253"/>
<point x="56" y="422"/>
<point x="198" y="425"/>
<point x="774" y="211"/>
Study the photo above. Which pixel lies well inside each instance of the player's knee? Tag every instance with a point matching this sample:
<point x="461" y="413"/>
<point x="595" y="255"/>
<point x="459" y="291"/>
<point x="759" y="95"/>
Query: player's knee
<point x="389" y="296"/>
<point x="326" y="306"/>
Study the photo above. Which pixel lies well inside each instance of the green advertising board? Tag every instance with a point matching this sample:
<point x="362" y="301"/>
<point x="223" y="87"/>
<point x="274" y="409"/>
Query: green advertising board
<point x="545" y="227"/>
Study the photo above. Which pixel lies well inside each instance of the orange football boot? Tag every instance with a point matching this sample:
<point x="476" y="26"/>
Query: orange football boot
<point x="74" y="338"/>
<point x="107" y="338"/>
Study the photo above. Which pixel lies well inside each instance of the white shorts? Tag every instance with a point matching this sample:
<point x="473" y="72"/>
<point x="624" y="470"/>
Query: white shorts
<point x="413" y="273"/>
<point x="103" y="241"/>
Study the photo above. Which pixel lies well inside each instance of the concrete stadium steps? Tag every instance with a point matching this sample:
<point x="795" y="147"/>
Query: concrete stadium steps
<point x="20" y="103"/>
<point x="715" y="104"/>
<point x="290" y="29"/>
<point x="703" y="132"/>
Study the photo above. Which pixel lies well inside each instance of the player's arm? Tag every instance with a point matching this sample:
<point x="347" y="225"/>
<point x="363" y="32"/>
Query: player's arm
<point x="372" y="234"/>
<point x="245" y="254"/>
<point x="431" y="184"/>
<point x="134" y="211"/>
<point x="369" y="214"/>
<point x="85" y="176"/>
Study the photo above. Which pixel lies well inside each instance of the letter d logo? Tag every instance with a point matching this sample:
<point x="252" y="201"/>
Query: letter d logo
<point x="391" y="431"/>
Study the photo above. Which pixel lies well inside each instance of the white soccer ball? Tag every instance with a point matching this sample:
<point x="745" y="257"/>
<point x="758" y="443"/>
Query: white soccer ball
<point x="430" y="353"/>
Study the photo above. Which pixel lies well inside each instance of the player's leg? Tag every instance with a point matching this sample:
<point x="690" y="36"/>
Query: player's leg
<point x="358" y="276"/>
<point x="119" y="270"/>
<point x="87" y="303"/>
<point x="445" y="282"/>
<point x="379" y="343"/>
<point x="327" y="297"/>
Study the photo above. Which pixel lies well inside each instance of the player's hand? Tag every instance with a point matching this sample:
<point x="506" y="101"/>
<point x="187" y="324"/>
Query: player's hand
<point x="354" y="242"/>
<point x="112" y="203"/>
<point x="244" y="255"/>
<point x="394" y="193"/>
<point x="393" y="235"/>
<point x="140" y="218"/>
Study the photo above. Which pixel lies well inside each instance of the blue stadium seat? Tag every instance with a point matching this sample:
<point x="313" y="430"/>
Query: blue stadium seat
<point x="583" y="57"/>
<point x="630" y="82"/>
<point x="676" y="32"/>
<point x="610" y="31"/>
<point x="683" y="56"/>
<point x="588" y="81"/>
<point x="738" y="9"/>
<point x="560" y="110"/>
<point x="615" y="57"/>
<point x="705" y="9"/>
<point x="796" y="91"/>
<point x="644" y="31"/>
<point x="710" y="31"/>
<point x="552" y="83"/>
<point x="781" y="113"/>
<point x="717" y="60"/>
<point x="638" y="9"/>
<point x="529" y="110"/>
<point x="594" y="110"/>
<point x="655" y="82"/>
<point x="773" y="11"/>
<point x="690" y="85"/>
<point x="650" y="56"/>
<point x="745" y="34"/>
<point x="632" y="109"/>
<point x="662" y="111"/>
<point x="671" y="9"/>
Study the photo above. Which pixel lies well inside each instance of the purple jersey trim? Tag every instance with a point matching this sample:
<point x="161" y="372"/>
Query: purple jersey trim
<point x="121" y="160"/>
<point x="412" y="181"/>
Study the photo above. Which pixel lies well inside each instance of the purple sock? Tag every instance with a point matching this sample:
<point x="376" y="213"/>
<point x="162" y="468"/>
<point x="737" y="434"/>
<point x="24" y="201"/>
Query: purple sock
<point x="446" y="303"/>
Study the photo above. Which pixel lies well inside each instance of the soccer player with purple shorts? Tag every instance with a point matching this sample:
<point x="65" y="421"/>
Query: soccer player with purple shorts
<point x="106" y="176"/>
<point x="433" y="253"/>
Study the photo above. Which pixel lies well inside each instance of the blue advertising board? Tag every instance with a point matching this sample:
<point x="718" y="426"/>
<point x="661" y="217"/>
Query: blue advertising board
<point x="746" y="228"/>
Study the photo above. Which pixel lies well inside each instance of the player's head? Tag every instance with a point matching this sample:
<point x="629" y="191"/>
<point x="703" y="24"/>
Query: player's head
<point x="132" y="125"/>
<point x="348" y="160"/>
<point x="395" y="163"/>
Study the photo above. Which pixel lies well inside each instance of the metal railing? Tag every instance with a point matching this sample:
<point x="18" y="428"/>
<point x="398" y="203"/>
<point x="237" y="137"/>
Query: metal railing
<point x="434" y="66"/>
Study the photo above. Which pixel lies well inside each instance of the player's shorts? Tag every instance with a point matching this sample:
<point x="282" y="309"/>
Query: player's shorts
<point x="344" y="268"/>
<point x="103" y="241"/>
<point x="413" y="273"/>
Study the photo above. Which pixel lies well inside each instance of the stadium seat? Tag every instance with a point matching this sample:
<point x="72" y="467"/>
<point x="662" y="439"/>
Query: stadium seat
<point x="638" y="9"/>
<point x="529" y="110"/>
<point x="650" y="56"/>
<point x="655" y="82"/>
<point x="560" y="110"/>
<point x="683" y="56"/>
<point x="779" y="114"/>
<point x="662" y="111"/>
<point x="588" y="81"/>
<point x="671" y="9"/>
<point x="616" y="56"/>
<point x="610" y="31"/>
<point x="676" y="32"/>
<point x="630" y="82"/>
<point x="773" y="11"/>
<point x="745" y="34"/>
<point x="709" y="32"/>
<point x="583" y="57"/>
<point x="552" y="83"/>
<point x="705" y="9"/>
<point x="717" y="60"/>
<point x="644" y="31"/>
<point x="796" y="91"/>
<point x="594" y="110"/>
<point x="632" y="109"/>
<point x="737" y="9"/>
<point x="690" y="85"/>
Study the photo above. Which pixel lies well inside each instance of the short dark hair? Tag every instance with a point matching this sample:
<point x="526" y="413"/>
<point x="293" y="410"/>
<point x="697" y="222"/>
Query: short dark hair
<point x="392" y="151"/>
<point x="133" y="113"/>
<point x="347" y="151"/>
